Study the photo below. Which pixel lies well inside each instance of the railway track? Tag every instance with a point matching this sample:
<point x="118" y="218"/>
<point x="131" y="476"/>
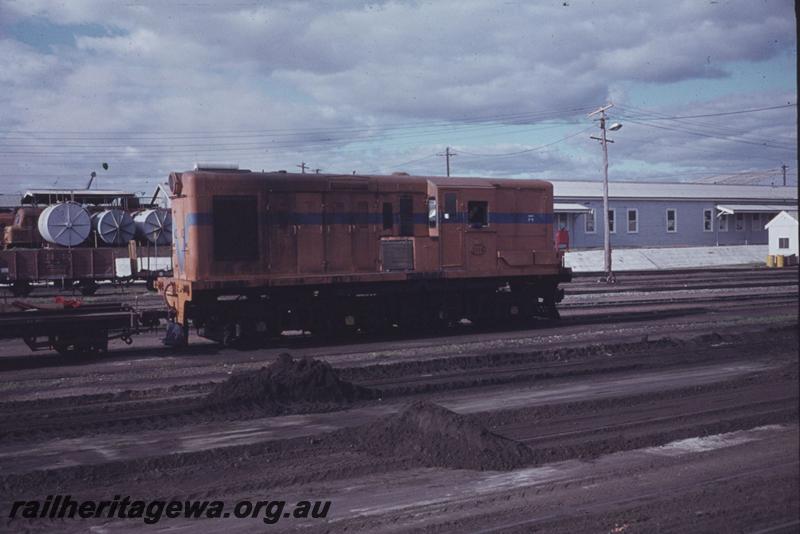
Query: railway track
<point x="770" y="287"/>
<point x="394" y="381"/>
<point x="594" y="396"/>
<point x="656" y="312"/>
<point x="620" y="423"/>
<point x="586" y="512"/>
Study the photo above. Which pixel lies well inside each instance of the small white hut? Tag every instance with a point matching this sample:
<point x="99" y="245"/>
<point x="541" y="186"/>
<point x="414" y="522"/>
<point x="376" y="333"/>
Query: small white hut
<point x="783" y="234"/>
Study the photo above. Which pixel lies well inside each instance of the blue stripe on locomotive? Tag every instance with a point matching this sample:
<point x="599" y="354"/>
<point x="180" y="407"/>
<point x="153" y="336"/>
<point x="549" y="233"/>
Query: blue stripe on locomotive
<point x="202" y="219"/>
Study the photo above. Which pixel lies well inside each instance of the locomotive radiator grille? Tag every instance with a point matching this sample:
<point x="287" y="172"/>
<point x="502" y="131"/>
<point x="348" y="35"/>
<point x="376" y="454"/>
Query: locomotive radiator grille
<point x="397" y="254"/>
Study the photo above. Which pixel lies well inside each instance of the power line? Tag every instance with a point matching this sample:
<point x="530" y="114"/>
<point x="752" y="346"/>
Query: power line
<point x="721" y="114"/>
<point x="404" y="163"/>
<point x="712" y="136"/>
<point x="702" y="126"/>
<point x="192" y="148"/>
<point x="528" y="150"/>
<point x="516" y="118"/>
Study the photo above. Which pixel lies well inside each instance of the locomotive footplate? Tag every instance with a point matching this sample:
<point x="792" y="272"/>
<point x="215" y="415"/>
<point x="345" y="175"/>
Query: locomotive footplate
<point x="84" y="329"/>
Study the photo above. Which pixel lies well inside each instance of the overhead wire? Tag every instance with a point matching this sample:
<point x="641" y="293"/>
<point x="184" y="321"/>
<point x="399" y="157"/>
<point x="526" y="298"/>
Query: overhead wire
<point x="516" y="118"/>
<point x="76" y="144"/>
<point x="705" y="129"/>
<point x="528" y="150"/>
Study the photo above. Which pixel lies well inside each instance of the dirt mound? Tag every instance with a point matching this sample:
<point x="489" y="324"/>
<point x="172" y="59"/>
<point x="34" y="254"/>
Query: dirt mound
<point x="436" y="437"/>
<point x="288" y="385"/>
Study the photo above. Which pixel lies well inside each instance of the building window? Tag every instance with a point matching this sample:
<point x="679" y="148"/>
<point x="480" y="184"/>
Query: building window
<point x="723" y="223"/>
<point x="612" y="221"/>
<point x="477" y="213"/>
<point x="633" y="221"/>
<point x="388" y="216"/>
<point x="672" y="220"/>
<point x="708" y="221"/>
<point x="235" y="228"/>
<point x="739" y="222"/>
<point x="589" y="222"/>
<point x="561" y="220"/>
<point x="783" y="242"/>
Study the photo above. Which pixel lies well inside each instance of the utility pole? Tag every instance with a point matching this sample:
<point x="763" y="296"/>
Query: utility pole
<point x="783" y="168"/>
<point x="303" y="167"/>
<point x="609" y="274"/>
<point x="448" y="154"/>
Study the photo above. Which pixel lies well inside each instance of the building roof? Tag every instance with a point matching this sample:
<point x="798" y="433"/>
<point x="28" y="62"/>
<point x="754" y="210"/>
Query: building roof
<point x="730" y="209"/>
<point x="45" y="196"/>
<point x="569" y="189"/>
<point x="567" y="207"/>
<point x="788" y="216"/>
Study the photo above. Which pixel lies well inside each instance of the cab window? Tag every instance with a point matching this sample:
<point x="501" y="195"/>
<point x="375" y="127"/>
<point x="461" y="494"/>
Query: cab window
<point x="477" y="213"/>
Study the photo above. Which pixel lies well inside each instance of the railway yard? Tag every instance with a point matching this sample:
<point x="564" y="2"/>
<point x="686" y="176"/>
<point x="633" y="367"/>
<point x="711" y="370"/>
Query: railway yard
<point x="667" y="402"/>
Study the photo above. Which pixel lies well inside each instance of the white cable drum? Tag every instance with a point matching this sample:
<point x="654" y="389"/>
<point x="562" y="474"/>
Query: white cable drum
<point x="113" y="226"/>
<point x="154" y="225"/>
<point x="66" y="224"/>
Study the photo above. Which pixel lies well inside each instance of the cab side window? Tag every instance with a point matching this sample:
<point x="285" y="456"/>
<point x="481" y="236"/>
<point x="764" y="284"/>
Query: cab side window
<point x="477" y="213"/>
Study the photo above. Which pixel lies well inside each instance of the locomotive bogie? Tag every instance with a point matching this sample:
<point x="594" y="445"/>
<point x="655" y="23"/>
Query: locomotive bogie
<point x="251" y="318"/>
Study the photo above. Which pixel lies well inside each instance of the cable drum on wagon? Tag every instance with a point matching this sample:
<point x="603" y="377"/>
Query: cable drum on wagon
<point x="114" y="226"/>
<point x="154" y="225"/>
<point x="66" y="224"/>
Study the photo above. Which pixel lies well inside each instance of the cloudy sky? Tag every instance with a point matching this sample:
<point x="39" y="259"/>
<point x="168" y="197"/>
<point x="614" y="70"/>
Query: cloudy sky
<point x="703" y="88"/>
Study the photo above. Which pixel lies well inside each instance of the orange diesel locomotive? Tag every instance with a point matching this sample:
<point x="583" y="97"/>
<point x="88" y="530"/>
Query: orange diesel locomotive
<point x="255" y="254"/>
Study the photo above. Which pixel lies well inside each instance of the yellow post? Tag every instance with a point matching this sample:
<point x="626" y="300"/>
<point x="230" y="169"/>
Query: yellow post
<point x="770" y="261"/>
<point x="779" y="260"/>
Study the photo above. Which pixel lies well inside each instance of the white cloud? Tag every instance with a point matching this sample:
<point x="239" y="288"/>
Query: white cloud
<point x="323" y="75"/>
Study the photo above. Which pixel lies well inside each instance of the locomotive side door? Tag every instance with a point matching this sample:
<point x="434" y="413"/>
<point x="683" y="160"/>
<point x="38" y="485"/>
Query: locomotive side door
<point x="338" y="232"/>
<point x="451" y="232"/>
<point x="308" y="224"/>
<point x="282" y="232"/>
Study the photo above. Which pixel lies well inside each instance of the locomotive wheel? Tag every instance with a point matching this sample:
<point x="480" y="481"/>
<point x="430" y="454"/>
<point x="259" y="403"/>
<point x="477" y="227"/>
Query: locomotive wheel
<point x="88" y="288"/>
<point x="21" y="289"/>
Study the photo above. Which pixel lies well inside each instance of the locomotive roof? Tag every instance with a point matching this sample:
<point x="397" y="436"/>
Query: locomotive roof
<point x="342" y="179"/>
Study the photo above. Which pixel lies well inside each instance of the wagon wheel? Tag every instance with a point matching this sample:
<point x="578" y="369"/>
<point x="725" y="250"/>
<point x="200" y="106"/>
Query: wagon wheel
<point x="88" y="288"/>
